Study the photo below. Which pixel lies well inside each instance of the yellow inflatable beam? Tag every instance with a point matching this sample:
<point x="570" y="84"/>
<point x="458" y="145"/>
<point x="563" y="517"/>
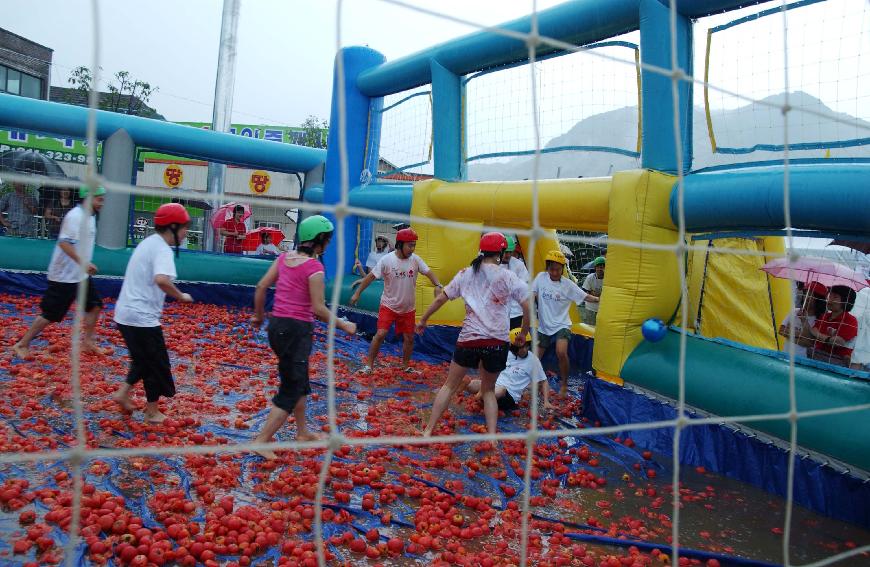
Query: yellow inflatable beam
<point x="564" y="204"/>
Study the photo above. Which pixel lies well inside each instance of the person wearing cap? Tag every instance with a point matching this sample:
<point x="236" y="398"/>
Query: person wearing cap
<point x="523" y="368"/>
<point x="809" y="305"/>
<point x="72" y="250"/>
<point x="399" y="270"/>
<point x="300" y="290"/>
<point x="234" y="231"/>
<point x="555" y="294"/>
<point x="149" y="278"/>
<point x="20" y="207"/>
<point x="510" y="262"/>
<point x="265" y="247"/>
<point x="482" y="344"/>
<point x="592" y="285"/>
<point x="382" y="248"/>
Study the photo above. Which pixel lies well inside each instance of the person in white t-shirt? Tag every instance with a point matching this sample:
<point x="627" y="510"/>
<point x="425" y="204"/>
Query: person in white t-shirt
<point x="509" y="261"/>
<point x="555" y="294"/>
<point x="399" y="271"/>
<point x="482" y="344"/>
<point x="382" y="248"/>
<point x="523" y="368"/>
<point x="592" y="285"/>
<point x="265" y="247"/>
<point x="148" y="280"/>
<point x="64" y="275"/>
<point x="810" y="304"/>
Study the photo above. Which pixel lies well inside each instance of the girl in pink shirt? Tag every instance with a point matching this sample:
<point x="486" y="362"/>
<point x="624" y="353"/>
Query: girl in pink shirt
<point x="483" y="341"/>
<point x="299" y="298"/>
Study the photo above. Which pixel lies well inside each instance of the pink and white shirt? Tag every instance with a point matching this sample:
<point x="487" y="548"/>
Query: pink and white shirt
<point x="487" y="296"/>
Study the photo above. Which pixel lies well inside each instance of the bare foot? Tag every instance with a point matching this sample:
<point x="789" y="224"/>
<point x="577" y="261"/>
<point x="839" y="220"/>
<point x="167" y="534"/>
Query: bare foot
<point x="124" y="401"/>
<point x="155" y="417"/>
<point x="93" y="348"/>
<point x="266" y="454"/>
<point x="426" y="433"/>
<point x="309" y="436"/>
<point x="563" y="390"/>
<point x="21" y="351"/>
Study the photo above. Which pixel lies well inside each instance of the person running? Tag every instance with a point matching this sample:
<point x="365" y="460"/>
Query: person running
<point x="399" y="270"/>
<point x="593" y="285"/>
<point x="298" y="277"/>
<point x="483" y="341"/>
<point x="523" y="368"/>
<point x="510" y="262"/>
<point x="64" y="275"/>
<point x="149" y="278"/>
<point x="555" y="294"/>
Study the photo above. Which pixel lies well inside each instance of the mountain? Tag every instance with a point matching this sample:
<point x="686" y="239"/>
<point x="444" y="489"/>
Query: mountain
<point x="744" y="126"/>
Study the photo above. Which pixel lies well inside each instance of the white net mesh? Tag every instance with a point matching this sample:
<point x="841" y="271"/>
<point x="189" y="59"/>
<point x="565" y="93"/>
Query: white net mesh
<point x="80" y="450"/>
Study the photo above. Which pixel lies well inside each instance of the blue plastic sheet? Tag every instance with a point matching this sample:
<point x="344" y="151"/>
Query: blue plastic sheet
<point x="735" y="454"/>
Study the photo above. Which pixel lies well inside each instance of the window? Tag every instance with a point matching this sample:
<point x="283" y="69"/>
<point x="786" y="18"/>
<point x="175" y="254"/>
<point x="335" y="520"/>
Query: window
<point x="13" y="81"/>
<point x="267" y="224"/>
<point x="2" y="78"/>
<point x="31" y="86"/>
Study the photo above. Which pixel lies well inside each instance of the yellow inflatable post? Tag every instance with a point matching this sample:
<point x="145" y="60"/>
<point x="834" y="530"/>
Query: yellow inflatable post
<point x="446" y="250"/>
<point x="639" y="283"/>
<point x="780" y="289"/>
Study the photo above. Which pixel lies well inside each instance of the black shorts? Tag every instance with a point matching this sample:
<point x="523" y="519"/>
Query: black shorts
<point x="506" y="403"/>
<point x="59" y="296"/>
<point x="149" y="361"/>
<point x="493" y="358"/>
<point x="291" y="340"/>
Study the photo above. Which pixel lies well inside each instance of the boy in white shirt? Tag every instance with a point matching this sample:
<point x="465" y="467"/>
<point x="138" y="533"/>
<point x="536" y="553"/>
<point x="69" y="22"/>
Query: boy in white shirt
<point x="149" y="278"/>
<point x="510" y="262"/>
<point x="592" y="285"/>
<point x="64" y="275"/>
<point x="555" y="294"/>
<point x="523" y="368"/>
<point x="399" y="270"/>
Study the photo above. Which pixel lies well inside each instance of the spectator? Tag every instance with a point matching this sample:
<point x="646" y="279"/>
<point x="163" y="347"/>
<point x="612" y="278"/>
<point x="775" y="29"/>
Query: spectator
<point x="234" y="231"/>
<point x="861" y="312"/>
<point x="555" y="293"/>
<point x="56" y="204"/>
<point x="836" y="330"/>
<point x="522" y="369"/>
<point x="382" y="248"/>
<point x="266" y="248"/>
<point x="593" y="284"/>
<point x="809" y="307"/>
<point x="19" y="206"/>
<point x="510" y="262"/>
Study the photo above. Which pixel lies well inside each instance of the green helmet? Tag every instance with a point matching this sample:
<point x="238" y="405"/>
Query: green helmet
<point x="599" y="261"/>
<point x="312" y="226"/>
<point x="84" y="190"/>
<point x="511" y="243"/>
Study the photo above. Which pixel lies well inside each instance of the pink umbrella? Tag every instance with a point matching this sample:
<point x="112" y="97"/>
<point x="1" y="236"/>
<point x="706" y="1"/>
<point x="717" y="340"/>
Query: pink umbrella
<point x="225" y="213"/>
<point x="809" y="269"/>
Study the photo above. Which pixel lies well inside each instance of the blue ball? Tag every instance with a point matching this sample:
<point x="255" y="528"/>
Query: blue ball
<point x="654" y="329"/>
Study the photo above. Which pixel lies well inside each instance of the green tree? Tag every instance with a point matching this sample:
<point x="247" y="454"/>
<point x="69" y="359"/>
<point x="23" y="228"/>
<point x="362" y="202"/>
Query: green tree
<point x="315" y="132"/>
<point x="126" y="94"/>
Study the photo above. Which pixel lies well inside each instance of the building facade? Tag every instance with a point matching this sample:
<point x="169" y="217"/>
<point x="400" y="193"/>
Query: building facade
<point x="25" y="66"/>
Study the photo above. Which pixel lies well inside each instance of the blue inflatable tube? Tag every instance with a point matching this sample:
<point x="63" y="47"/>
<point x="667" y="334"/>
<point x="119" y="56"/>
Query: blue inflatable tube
<point x="55" y="118"/>
<point x="823" y="197"/>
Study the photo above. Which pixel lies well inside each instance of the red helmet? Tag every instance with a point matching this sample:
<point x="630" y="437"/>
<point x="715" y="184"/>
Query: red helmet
<point x="493" y="242"/>
<point x="171" y="213"/>
<point x="406" y="235"/>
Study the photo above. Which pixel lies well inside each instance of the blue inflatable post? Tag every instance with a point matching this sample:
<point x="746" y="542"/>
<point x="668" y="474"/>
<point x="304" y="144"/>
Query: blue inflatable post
<point x="362" y="149"/>
<point x="659" y="145"/>
<point x="447" y="123"/>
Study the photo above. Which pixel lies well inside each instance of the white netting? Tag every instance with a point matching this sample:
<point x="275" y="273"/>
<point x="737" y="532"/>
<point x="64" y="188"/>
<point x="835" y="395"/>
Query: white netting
<point x="588" y="115"/>
<point x="828" y="79"/>
<point x="406" y="135"/>
<point x="79" y="452"/>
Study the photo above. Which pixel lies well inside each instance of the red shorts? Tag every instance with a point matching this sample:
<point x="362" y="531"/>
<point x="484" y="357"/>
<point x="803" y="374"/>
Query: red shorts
<point x="405" y="322"/>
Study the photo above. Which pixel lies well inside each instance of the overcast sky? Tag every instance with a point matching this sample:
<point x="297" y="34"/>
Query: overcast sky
<point x="285" y="49"/>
